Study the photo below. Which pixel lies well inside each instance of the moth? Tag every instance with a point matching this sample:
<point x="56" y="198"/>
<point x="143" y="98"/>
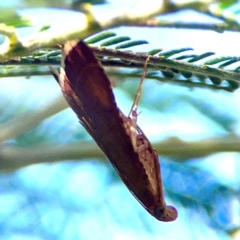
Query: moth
<point x="88" y="91"/>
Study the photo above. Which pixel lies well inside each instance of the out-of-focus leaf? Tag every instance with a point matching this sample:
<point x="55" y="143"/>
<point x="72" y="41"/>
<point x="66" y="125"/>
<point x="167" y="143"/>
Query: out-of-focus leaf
<point x="168" y="74"/>
<point x="233" y="84"/>
<point x="215" y="80"/>
<point x="226" y="3"/>
<point x="45" y="27"/>
<point x="11" y="18"/>
<point x="186" y="74"/>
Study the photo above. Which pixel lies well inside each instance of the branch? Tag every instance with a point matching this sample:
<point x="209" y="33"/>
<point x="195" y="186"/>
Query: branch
<point x="10" y="32"/>
<point x="30" y="120"/>
<point x="24" y="72"/>
<point x="158" y="61"/>
<point x="48" y="38"/>
<point x="135" y="60"/>
<point x="12" y="158"/>
<point x="187" y="83"/>
<point x="87" y="25"/>
<point x="211" y="8"/>
<point x="218" y="27"/>
<point x="186" y="150"/>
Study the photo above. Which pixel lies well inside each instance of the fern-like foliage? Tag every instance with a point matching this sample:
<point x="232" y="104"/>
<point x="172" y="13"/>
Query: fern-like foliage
<point x="197" y="193"/>
<point x="174" y="66"/>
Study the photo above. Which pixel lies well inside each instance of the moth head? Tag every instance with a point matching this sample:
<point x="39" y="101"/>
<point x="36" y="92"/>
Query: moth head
<point x="165" y="213"/>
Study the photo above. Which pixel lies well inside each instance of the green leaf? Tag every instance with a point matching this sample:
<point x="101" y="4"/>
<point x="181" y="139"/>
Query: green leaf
<point x="131" y="44"/>
<point x="154" y="51"/>
<point x="168" y="74"/>
<point x="173" y="52"/>
<point x="174" y="70"/>
<point x="229" y="62"/>
<point x="100" y="37"/>
<point x="227" y="3"/>
<point x="199" y="57"/>
<point x="44" y="27"/>
<point x="186" y="74"/>
<point x="233" y="84"/>
<point x="215" y="80"/>
<point x="186" y="56"/>
<point x="217" y="60"/>
<point x="11" y="18"/>
<point x="54" y="53"/>
<point x="114" y="41"/>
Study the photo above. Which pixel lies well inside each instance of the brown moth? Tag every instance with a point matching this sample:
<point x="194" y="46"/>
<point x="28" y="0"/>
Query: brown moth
<point x="88" y="92"/>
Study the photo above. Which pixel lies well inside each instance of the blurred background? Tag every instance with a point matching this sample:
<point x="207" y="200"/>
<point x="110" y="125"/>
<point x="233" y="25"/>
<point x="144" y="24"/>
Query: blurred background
<point x="85" y="198"/>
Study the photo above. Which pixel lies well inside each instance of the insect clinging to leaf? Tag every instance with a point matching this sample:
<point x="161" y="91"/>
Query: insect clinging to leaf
<point x="88" y="91"/>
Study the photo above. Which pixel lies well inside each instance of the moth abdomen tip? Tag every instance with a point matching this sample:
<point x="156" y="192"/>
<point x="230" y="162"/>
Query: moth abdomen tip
<point x="166" y="213"/>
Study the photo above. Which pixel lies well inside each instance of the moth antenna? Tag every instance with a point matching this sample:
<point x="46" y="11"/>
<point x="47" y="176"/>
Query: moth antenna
<point x="133" y="110"/>
<point x="139" y="90"/>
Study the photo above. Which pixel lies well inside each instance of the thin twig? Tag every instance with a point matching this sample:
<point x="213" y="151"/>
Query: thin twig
<point x="186" y="83"/>
<point x="218" y="27"/>
<point x="158" y="61"/>
<point x="84" y="27"/>
<point x="30" y="120"/>
<point x="184" y="150"/>
<point x="12" y="158"/>
<point x="89" y="25"/>
<point x="9" y="32"/>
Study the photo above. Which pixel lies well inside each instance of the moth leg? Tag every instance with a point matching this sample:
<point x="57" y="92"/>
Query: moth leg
<point x="139" y="90"/>
<point x="143" y="147"/>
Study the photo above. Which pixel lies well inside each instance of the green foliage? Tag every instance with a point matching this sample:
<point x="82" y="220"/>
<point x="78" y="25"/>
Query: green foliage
<point x="196" y="191"/>
<point x="100" y="37"/>
<point x="44" y="27"/>
<point x="11" y="18"/>
<point x="113" y="41"/>
<point x="131" y="44"/>
<point x="173" y="52"/>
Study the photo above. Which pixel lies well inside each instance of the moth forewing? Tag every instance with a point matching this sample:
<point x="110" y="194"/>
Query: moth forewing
<point x="148" y="156"/>
<point x="88" y="92"/>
